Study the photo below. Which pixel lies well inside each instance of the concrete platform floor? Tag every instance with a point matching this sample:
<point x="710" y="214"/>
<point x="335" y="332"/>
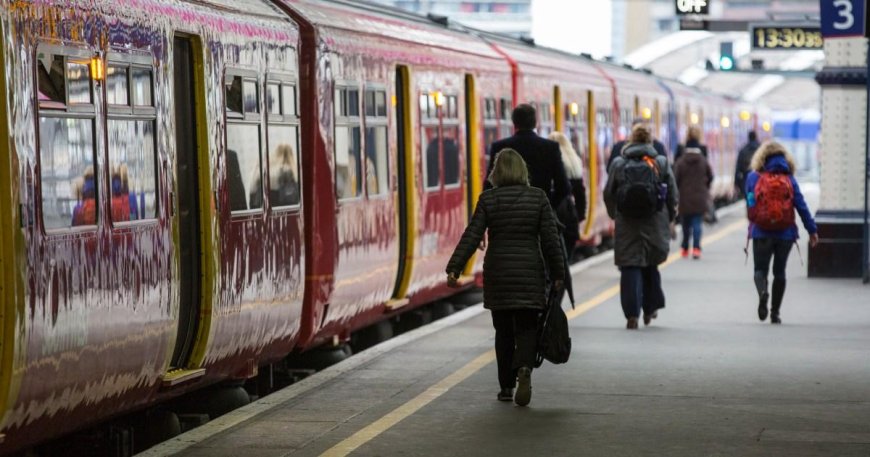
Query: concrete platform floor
<point x="706" y="379"/>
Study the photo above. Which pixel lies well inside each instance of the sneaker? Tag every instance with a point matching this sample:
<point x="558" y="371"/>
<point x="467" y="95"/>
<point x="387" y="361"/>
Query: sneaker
<point x="632" y="323"/>
<point x="647" y="318"/>
<point x="684" y="253"/>
<point x="696" y="253"/>
<point x="506" y="395"/>
<point x="762" y="307"/>
<point x="524" y="386"/>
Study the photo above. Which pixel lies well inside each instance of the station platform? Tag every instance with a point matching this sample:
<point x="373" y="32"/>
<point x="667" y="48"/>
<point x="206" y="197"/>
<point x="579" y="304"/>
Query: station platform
<point x="706" y="379"/>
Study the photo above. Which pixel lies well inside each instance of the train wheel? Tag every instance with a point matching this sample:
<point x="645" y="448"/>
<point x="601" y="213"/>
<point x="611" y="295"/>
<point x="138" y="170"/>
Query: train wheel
<point x="442" y="309"/>
<point x="412" y="319"/>
<point x="371" y="335"/>
<point x="154" y="427"/>
<point x="468" y="298"/>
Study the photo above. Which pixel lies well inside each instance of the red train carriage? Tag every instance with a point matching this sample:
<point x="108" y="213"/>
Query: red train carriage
<point x="391" y="126"/>
<point x="132" y="259"/>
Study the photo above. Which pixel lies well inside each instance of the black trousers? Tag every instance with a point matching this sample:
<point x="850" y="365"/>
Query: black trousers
<point x="640" y="288"/>
<point x="765" y="248"/>
<point x="516" y="334"/>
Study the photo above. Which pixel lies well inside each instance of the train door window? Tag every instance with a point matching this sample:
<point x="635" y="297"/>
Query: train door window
<point x="506" y="126"/>
<point x="131" y="129"/>
<point x="490" y="127"/>
<point x="377" y="176"/>
<point x="545" y="126"/>
<point x="243" y="153"/>
<point x="431" y="139"/>
<point x="67" y="115"/>
<point x="348" y="144"/>
<point x="282" y="139"/>
<point x="450" y="142"/>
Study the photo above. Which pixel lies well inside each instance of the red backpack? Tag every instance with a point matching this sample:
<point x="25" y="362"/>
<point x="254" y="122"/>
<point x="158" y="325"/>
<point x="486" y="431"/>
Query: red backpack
<point x="774" y="202"/>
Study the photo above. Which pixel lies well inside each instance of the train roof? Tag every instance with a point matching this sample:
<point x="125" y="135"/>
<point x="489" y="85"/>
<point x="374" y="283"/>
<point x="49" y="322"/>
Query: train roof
<point x="379" y="22"/>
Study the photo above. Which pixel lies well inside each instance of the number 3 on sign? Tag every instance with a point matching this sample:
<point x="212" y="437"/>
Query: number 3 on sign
<point x="844" y="9"/>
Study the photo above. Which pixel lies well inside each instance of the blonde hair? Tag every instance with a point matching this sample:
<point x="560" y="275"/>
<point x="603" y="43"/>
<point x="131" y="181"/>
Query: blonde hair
<point x="694" y="133"/>
<point x="769" y="149"/>
<point x="509" y="169"/>
<point x="640" y="134"/>
<point x="573" y="164"/>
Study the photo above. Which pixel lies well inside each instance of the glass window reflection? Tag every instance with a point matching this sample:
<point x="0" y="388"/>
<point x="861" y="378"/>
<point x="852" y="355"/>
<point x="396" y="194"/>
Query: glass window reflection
<point x="432" y="160"/>
<point x="348" y="163"/>
<point x="451" y="155"/>
<point x="273" y="98"/>
<point x="283" y="165"/>
<point x="289" y="99"/>
<point x="116" y="85"/>
<point x="142" y="87"/>
<point x="249" y="93"/>
<point x="52" y="81"/>
<point x="377" y="179"/>
<point x="67" y="175"/>
<point x="244" y="168"/>
<point x="132" y="167"/>
<point x="78" y="76"/>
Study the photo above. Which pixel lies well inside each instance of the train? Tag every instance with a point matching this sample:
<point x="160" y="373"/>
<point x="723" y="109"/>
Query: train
<point x="192" y="190"/>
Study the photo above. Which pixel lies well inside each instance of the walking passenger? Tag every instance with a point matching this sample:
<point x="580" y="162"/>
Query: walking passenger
<point x="542" y="156"/>
<point x="744" y="158"/>
<point x="694" y="177"/>
<point x="522" y="237"/>
<point x="772" y="196"/>
<point x="571" y="215"/>
<point x="616" y="151"/>
<point x="641" y="197"/>
<point x="693" y="141"/>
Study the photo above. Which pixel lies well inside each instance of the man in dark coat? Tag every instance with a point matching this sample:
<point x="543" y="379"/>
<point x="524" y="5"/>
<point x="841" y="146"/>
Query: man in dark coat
<point x="542" y="156"/>
<point x="744" y="158"/>
<point x="616" y="151"/>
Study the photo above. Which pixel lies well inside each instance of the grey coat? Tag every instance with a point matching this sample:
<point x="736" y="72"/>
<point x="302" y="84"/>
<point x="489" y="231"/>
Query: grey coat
<point x="522" y="236"/>
<point x="641" y="242"/>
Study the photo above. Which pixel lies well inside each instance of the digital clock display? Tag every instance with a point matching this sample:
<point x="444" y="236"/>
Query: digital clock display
<point x="786" y="37"/>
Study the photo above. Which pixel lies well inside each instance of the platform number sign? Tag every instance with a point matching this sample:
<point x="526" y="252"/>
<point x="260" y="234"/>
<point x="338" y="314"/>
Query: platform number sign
<point x="687" y="7"/>
<point x="843" y="18"/>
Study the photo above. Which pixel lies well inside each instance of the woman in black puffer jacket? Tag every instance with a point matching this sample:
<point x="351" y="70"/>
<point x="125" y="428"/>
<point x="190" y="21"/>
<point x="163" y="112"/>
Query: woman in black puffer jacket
<point x="522" y="235"/>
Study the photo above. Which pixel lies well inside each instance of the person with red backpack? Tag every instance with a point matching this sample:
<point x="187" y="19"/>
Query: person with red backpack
<point x="772" y="196"/>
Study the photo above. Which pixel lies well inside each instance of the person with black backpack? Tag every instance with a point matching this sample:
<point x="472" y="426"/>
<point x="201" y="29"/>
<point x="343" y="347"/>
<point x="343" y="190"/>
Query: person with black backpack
<point x="523" y="239"/>
<point x="641" y="196"/>
<point x="772" y="196"/>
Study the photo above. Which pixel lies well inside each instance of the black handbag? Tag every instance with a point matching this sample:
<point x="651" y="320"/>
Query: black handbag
<point x="554" y="340"/>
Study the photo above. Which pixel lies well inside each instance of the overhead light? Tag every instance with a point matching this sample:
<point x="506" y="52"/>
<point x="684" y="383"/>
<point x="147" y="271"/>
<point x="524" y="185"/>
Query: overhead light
<point x="693" y="118"/>
<point x="575" y="109"/>
<point x="765" y="126"/>
<point x="725" y="122"/>
<point x="745" y="115"/>
<point x="646" y="113"/>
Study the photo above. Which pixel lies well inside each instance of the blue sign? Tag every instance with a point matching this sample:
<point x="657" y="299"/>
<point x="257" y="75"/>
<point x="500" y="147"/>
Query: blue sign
<point x="843" y="18"/>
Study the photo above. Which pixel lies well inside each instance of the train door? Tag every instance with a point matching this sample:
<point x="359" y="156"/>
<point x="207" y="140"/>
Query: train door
<point x="187" y="192"/>
<point x="473" y="153"/>
<point x="406" y="180"/>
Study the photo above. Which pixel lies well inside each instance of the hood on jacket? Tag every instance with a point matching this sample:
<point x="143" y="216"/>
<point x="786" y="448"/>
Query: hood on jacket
<point x="638" y="150"/>
<point x="772" y="156"/>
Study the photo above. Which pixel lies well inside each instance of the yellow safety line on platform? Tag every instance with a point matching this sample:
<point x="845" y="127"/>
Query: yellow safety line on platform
<point x="395" y="416"/>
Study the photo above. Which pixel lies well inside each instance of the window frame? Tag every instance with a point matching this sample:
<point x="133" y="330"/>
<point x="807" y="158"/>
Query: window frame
<point x="376" y="121"/>
<point x="340" y="119"/>
<point x="454" y="121"/>
<point x="68" y="111"/>
<point x="131" y="112"/>
<point x="283" y="79"/>
<point x="245" y="119"/>
<point x="429" y="119"/>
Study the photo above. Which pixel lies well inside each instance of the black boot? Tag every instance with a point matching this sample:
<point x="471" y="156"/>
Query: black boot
<point x="761" y="287"/>
<point x="778" y="293"/>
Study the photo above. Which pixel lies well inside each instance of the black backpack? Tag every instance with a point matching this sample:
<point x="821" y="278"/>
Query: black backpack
<point x="554" y="340"/>
<point x="638" y="193"/>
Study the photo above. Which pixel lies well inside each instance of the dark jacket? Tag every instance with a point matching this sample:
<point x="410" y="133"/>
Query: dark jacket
<point x="543" y="159"/>
<point x="522" y="235"/>
<point x="693" y="176"/>
<point x="778" y="164"/>
<point x="641" y="242"/>
<point x="616" y="151"/>
<point x="744" y="158"/>
<point x="681" y="149"/>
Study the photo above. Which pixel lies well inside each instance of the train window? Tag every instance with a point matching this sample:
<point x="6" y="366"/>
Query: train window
<point x="348" y="163"/>
<point x="117" y="85"/>
<point x="505" y="109"/>
<point x="377" y="177"/>
<point x="249" y="94"/>
<point x="244" y="167"/>
<point x="78" y="74"/>
<point x="451" y="155"/>
<point x="283" y="165"/>
<point x="132" y="164"/>
<point x="234" y="96"/>
<point x="489" y="108"/>
<point x="283" y="138"/>
<point x="273" y="98"/>
<point x="67" y="172"/>
<point x="288" y="100"/>
<point x="352" y="103"/>
<point x="452" y="109"/>
<point x="433" y="162"/>
<point x="142" y="87"/>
